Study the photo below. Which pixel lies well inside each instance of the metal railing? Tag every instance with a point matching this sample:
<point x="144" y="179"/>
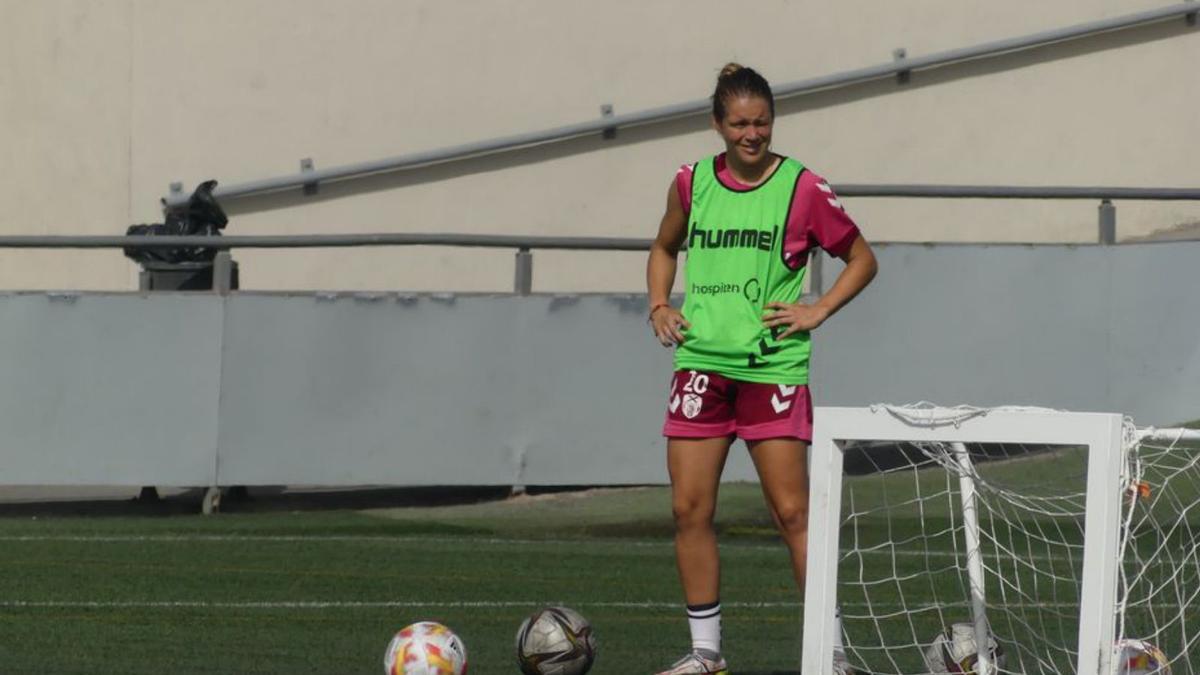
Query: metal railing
<point x="524" y="245"/>
<point x="900" y="68"/>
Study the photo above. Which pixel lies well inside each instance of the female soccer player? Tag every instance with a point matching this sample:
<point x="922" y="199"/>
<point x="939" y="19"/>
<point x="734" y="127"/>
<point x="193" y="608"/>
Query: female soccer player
<point x="749" y="218"/>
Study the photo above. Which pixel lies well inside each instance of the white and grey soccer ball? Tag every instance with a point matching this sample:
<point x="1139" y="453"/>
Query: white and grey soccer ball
<point x="555" y="641"/>
<point x="954" y="651"/>
<point x="1138" y="657"/>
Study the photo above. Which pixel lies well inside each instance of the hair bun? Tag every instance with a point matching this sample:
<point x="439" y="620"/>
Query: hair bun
<point x="735" y="81"/>
<point x="729" y="70"/>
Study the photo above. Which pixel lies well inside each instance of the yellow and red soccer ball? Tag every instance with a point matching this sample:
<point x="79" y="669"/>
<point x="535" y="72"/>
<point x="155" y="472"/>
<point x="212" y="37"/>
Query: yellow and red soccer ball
<point x="425" y="648"/>
<point x="1138" y="657"/>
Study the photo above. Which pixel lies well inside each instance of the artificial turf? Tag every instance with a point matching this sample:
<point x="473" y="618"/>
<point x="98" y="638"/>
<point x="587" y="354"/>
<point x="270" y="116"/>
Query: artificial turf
<point x="321" y="590"/>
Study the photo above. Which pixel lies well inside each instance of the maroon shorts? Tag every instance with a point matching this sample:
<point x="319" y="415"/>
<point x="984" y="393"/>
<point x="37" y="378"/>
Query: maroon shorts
<point x="708" y="405"/>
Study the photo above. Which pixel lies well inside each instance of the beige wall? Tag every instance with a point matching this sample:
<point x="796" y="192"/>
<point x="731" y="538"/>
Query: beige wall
<point x="104" y="102"/>
<point x="65" y="137"/>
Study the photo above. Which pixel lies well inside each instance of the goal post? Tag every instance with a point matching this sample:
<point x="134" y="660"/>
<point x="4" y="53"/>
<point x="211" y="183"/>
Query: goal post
<point x="1043" y="534"/>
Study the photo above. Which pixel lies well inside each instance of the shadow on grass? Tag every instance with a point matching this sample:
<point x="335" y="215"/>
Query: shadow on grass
<point x="259" y="499"/>
<point x="758" y="529"/>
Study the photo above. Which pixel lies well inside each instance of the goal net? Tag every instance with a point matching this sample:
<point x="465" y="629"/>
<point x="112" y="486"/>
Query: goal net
<point x="1054" y="534"/>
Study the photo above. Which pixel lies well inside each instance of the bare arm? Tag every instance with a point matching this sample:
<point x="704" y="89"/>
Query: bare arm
<point x="668" y="323"/>
<point x="860" y="270"/>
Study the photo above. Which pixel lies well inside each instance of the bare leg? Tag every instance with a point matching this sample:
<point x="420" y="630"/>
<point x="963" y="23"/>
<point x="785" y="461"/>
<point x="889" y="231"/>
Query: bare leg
<point x="782" y="466"/>
<point x="695" y="467"/>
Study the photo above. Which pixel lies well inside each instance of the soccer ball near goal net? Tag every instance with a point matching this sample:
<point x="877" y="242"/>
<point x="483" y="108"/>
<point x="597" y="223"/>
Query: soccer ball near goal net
<point x="1138" y="657"/>
<point x="1071" y="536"/>
<point x="955" y="650"/>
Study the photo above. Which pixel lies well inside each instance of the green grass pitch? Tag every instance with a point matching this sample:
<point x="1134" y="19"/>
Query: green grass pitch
<point x="322" y="591"/>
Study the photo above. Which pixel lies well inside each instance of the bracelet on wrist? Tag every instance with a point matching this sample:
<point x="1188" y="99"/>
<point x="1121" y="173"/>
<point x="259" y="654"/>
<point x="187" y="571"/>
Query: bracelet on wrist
<point x="654" y="308"/>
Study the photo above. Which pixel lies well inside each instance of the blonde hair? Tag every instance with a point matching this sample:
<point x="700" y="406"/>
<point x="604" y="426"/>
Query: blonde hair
<point x="729" y="69"/>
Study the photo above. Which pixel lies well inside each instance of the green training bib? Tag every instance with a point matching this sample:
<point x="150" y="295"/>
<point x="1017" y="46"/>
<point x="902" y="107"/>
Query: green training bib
<point x="734" y="267"/>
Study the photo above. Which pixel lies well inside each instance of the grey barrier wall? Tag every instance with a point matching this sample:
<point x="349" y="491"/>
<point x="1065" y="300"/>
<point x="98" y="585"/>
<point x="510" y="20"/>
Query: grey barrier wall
<point x="109" y="389"/>
<point x="352" y="389"/>
<point x="1085" y="328"/>
<point x="441" y="390"/>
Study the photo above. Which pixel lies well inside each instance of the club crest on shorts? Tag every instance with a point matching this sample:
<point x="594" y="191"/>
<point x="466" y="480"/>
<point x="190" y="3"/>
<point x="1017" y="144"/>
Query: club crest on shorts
<point x="691" y="405"/>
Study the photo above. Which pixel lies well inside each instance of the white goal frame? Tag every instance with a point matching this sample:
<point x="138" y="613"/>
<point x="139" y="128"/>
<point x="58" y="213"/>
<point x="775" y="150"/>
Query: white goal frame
<point x="1101" y="433"/>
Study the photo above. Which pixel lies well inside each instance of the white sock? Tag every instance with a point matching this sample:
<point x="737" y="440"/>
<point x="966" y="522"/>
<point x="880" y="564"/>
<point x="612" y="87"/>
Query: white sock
<point x="705" y="624"/>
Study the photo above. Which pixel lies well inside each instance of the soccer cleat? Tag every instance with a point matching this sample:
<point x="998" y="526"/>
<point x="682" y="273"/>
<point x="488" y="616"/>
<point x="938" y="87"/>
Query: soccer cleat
<point x="695" y="664"/>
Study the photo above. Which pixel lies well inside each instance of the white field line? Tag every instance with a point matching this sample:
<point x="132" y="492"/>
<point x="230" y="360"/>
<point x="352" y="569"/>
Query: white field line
<point x="393" y="604"/>
<point x="464" y="541"/>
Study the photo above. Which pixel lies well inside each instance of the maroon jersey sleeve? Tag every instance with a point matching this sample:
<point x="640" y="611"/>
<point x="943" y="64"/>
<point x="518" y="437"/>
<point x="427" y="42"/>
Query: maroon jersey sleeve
<point x="816" y="218"/>
<point x="683" y="185"/>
